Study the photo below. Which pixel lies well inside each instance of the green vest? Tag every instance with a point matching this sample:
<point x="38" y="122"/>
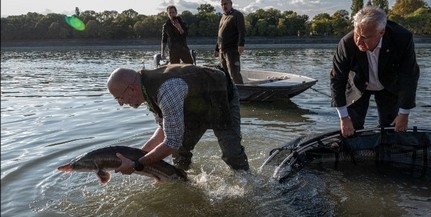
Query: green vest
<point x="206" y="103"/>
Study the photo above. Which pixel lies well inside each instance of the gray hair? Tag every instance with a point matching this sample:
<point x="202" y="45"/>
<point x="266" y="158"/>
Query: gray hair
<point x="370" y="14"/>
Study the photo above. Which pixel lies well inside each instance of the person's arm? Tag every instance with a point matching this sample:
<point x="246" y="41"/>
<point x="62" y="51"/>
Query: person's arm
<point x="240" y="23"/>
<point x="240" y="49"/>
<point x="408" y="75"/>
<point x="338" y="82"/>
<point x="216" y="51"/>
<point x="241" y="32"/>
<point x="168" y="139"/>
<point x="162" y="51"/>
<point x="178" y="26"/>
<point x="346" y="124"/>
<point x="155" y="140"/>
<point x="164" y="41"/>
<point x="183" y="28"/>
<point x="408" y="80"/>
<point x="339" y="75"/>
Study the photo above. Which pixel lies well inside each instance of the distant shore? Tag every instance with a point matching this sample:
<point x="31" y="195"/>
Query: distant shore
<point x="251" y="42"/>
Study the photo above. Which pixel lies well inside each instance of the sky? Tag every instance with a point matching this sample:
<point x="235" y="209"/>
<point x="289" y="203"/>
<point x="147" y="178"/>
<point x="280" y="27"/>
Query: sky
<point x="152" y="7"/>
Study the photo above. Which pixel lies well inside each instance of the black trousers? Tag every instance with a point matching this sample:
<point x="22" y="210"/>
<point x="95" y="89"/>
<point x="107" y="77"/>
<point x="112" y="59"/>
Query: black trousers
<point x="178" y="53"/>
<point x="387" y="108"/>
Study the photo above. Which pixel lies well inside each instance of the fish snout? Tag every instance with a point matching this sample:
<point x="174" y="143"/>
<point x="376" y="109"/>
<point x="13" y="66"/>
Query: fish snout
<point x="65" y="168"/>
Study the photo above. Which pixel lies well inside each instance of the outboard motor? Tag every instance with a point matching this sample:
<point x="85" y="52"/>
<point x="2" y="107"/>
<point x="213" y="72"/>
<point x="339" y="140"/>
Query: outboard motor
<point x="156" y="60"/>
<point x="193" y="54"/>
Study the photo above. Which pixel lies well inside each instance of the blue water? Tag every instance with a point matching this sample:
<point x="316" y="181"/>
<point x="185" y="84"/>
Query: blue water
<point x="55" y="106"/>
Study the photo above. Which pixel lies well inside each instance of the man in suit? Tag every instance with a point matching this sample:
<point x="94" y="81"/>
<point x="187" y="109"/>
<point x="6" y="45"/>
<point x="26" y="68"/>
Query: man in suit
<point x="376" y="58"/>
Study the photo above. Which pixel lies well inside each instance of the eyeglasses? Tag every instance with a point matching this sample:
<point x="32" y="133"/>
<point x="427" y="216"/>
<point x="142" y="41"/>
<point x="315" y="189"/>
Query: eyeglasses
<point x="120" y="98"/>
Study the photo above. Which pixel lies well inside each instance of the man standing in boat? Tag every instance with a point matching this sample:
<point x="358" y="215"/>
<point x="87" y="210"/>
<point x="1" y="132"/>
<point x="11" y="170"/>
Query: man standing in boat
<point x="230" y="40"/>
<point x="376" y="58"/>
<point x="174" y="33"/>
<point x="186" y="100"/>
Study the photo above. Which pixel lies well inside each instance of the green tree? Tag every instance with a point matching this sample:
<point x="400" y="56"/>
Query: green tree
<point x="340" y="22"/>
<point x="415" y="15"/>
<point x="204" y="9"/>
<point x="57" y="31"/>
<point x="321" y="24"/>
<point x="406" y="7"/>
<point x="383" y="4"/>
<point x="93" y="28"/>
<point x="356" y="6"/>
<point x="207" y="21"/>
<point x="290" y="23"/>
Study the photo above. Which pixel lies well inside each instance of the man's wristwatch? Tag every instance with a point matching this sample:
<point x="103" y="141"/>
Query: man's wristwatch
<point x="138" y="166"/>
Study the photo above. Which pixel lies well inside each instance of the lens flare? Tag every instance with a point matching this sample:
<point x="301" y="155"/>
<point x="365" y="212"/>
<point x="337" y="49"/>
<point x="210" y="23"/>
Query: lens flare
<point x="75" y="23"/>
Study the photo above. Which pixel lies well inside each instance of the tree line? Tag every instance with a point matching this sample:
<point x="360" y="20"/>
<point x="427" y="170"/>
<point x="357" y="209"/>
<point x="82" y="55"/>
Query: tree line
<point x="415" y="15"/>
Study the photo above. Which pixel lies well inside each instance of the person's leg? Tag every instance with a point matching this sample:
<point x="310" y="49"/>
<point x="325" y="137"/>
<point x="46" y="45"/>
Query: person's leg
<point x="174" y="56"/>
<point x="186" y="57"/>
<point x="387" y="107"/>
<point x="358" y="111"/>
<point x="233" y="65"/>
<point x="230" y="139"/>
<point x="183" y="157"/>
<point x="223" y="62"/>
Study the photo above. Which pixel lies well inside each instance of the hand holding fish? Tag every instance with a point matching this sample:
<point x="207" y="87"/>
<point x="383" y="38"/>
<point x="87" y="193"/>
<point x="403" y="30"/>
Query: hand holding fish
<point x="121" y="159"/>
<point x="127" y="165"/>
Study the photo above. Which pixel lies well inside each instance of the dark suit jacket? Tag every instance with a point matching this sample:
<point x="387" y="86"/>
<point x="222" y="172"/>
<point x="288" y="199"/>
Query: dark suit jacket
<point x="170" y="32"/>
<point x="398" y="70"/>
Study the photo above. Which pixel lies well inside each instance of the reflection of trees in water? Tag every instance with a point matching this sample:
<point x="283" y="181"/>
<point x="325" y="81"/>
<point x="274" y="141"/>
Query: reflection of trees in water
<point x="281" y="111"/>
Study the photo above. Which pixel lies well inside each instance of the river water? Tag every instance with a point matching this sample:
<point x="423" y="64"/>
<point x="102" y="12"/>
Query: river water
<point x="55" y="106"/>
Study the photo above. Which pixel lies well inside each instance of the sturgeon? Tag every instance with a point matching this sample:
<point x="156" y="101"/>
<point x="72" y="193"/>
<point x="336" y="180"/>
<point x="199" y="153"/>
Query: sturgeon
<point x="104" y="159"/>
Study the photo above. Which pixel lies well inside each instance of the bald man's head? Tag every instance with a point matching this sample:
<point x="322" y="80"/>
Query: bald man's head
<point x="119" y="80"/>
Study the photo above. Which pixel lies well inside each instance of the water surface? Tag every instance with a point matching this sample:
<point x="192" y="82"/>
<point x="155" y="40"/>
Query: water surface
<point x="55" y="106"/>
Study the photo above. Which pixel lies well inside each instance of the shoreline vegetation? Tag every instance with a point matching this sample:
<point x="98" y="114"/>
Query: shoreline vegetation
<point x="251" y="42"/>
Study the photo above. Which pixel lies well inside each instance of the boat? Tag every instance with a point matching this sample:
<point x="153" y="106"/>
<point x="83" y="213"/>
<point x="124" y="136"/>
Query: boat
<point x="409" y="150"/>
<point x="261" y="85"/>
<point x="268" y="86"/>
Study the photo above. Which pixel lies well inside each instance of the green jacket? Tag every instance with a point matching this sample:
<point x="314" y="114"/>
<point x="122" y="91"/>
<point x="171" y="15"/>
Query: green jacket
<point x="206" y="103"/>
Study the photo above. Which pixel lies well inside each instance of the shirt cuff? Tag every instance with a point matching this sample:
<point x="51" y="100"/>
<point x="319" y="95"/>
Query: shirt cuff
<point x="404" y="111"/>
<point x="342" y="112"/>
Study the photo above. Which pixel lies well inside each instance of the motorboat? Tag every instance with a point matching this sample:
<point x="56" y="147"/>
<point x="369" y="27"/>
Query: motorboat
<point x="262" y="85"/>
<point x="267" y="86"/>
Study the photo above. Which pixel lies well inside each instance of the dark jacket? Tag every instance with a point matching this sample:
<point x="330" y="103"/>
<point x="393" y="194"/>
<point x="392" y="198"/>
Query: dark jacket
<point x="398" y="70"/>
<point x="206" y="103"/>
<point x="231" y="31"/>
<point x="172" y="36"/>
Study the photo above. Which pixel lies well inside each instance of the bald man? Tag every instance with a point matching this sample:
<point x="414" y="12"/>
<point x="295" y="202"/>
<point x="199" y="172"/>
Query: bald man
<point x="186" y="100"/>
